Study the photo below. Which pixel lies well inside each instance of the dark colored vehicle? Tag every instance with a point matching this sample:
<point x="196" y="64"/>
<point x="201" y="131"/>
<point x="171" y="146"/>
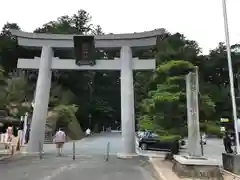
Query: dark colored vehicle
<point x="182" y="142"/>
<point x="152" y="143"/>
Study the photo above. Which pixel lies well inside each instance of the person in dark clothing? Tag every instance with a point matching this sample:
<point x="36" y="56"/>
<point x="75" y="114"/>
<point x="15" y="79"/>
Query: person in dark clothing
<point x="21" y="125"/>
<point x="227" y="143"/>
<point x="27" y="135"/>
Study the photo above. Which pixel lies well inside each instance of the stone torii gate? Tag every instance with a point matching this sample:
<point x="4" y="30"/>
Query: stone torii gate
<point x="47" y="62"/>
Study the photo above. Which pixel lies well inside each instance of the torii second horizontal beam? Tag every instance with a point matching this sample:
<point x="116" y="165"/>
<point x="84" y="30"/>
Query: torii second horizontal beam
<point x="69" y="64"/>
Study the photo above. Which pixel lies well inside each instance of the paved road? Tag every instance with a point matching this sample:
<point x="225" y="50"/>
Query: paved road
<point x="95" y="145"/>
<point x="89" y="164"/>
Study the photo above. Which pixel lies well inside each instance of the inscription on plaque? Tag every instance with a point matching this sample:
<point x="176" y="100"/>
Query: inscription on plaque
<point x="84" y="50"/>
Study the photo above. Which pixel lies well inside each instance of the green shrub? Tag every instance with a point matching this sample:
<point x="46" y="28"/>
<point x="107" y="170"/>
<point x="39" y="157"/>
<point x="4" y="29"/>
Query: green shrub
<point x="170" y="138"/>
<point x="161" y="132"/>
<point x="183" y="131"/>
<point x="145" y="122"/>
<point x="213" y="129"/>
<point x="203" y="127"/>
<point x="66" y="114"/>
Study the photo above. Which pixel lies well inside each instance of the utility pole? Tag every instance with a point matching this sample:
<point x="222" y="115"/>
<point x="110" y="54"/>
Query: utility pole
<point x="229" y="58"/>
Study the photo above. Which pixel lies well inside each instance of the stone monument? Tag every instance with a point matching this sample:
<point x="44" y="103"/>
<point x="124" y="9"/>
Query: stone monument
<point x="194" y="165"/>
<point x="49" y="43"/>
<point x="192" y="91"/>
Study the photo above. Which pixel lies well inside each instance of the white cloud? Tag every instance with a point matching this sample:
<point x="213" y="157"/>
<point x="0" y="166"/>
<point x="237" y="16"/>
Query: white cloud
<point x="200" y="20"/>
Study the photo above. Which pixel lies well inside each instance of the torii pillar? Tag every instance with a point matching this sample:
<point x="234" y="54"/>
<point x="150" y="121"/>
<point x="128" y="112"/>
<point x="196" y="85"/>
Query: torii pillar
<point x="127" y="103"/>
<point x="40" y="110"/>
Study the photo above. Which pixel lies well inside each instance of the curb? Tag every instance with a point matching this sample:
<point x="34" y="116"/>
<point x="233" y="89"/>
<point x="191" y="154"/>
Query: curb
<point x="5" y="157"/>
<point x="8" y="156"/>
<point x="157" y="169"/>
<point x="126" y="156"/>
<point x="17" y="157"/>
<point x="229" y="173"/>
<point x="11" y="156"/>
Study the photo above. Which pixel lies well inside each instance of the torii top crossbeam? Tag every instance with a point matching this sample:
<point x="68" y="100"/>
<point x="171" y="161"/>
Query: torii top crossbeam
<point x="109" y="41"/>
<point x="143" y="39"/>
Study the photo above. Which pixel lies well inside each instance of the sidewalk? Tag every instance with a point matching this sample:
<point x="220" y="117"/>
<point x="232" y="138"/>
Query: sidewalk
<point x="164" y="171"/>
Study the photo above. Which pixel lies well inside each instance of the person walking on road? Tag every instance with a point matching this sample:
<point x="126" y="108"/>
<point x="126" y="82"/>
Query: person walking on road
<point x="59" y="139"/>
<point x="88" y="132"/>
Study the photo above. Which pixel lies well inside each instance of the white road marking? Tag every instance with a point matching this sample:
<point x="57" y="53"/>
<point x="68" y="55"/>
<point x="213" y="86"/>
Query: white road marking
<point x="58" y="171"/>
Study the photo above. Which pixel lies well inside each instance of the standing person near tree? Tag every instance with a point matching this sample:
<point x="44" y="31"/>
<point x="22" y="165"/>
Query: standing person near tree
<point x="227" y="143"/>
<point x="59" y="139"/>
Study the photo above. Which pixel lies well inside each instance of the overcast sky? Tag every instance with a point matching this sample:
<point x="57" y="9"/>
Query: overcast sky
<point x="200" y="20"/>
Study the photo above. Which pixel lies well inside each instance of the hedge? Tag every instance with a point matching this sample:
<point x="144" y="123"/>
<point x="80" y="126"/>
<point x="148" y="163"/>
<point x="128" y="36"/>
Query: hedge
<point x="170" y="137"/>
<point x="213" y="129"/>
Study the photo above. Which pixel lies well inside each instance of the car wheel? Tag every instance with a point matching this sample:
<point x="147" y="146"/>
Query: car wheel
<point x="144" y="146"/>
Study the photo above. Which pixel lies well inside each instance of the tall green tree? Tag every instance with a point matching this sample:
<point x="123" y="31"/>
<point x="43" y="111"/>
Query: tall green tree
<point x="86" y="86"/>
<point x="8" y="48"/>
<point x="166" y="104"/>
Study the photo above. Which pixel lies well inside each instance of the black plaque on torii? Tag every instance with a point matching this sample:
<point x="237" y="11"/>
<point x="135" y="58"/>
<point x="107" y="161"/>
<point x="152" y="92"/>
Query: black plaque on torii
<point x="84" y="50"/>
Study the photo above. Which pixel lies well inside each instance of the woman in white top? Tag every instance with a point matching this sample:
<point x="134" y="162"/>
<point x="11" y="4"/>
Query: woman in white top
<point x="59" y="140"/>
